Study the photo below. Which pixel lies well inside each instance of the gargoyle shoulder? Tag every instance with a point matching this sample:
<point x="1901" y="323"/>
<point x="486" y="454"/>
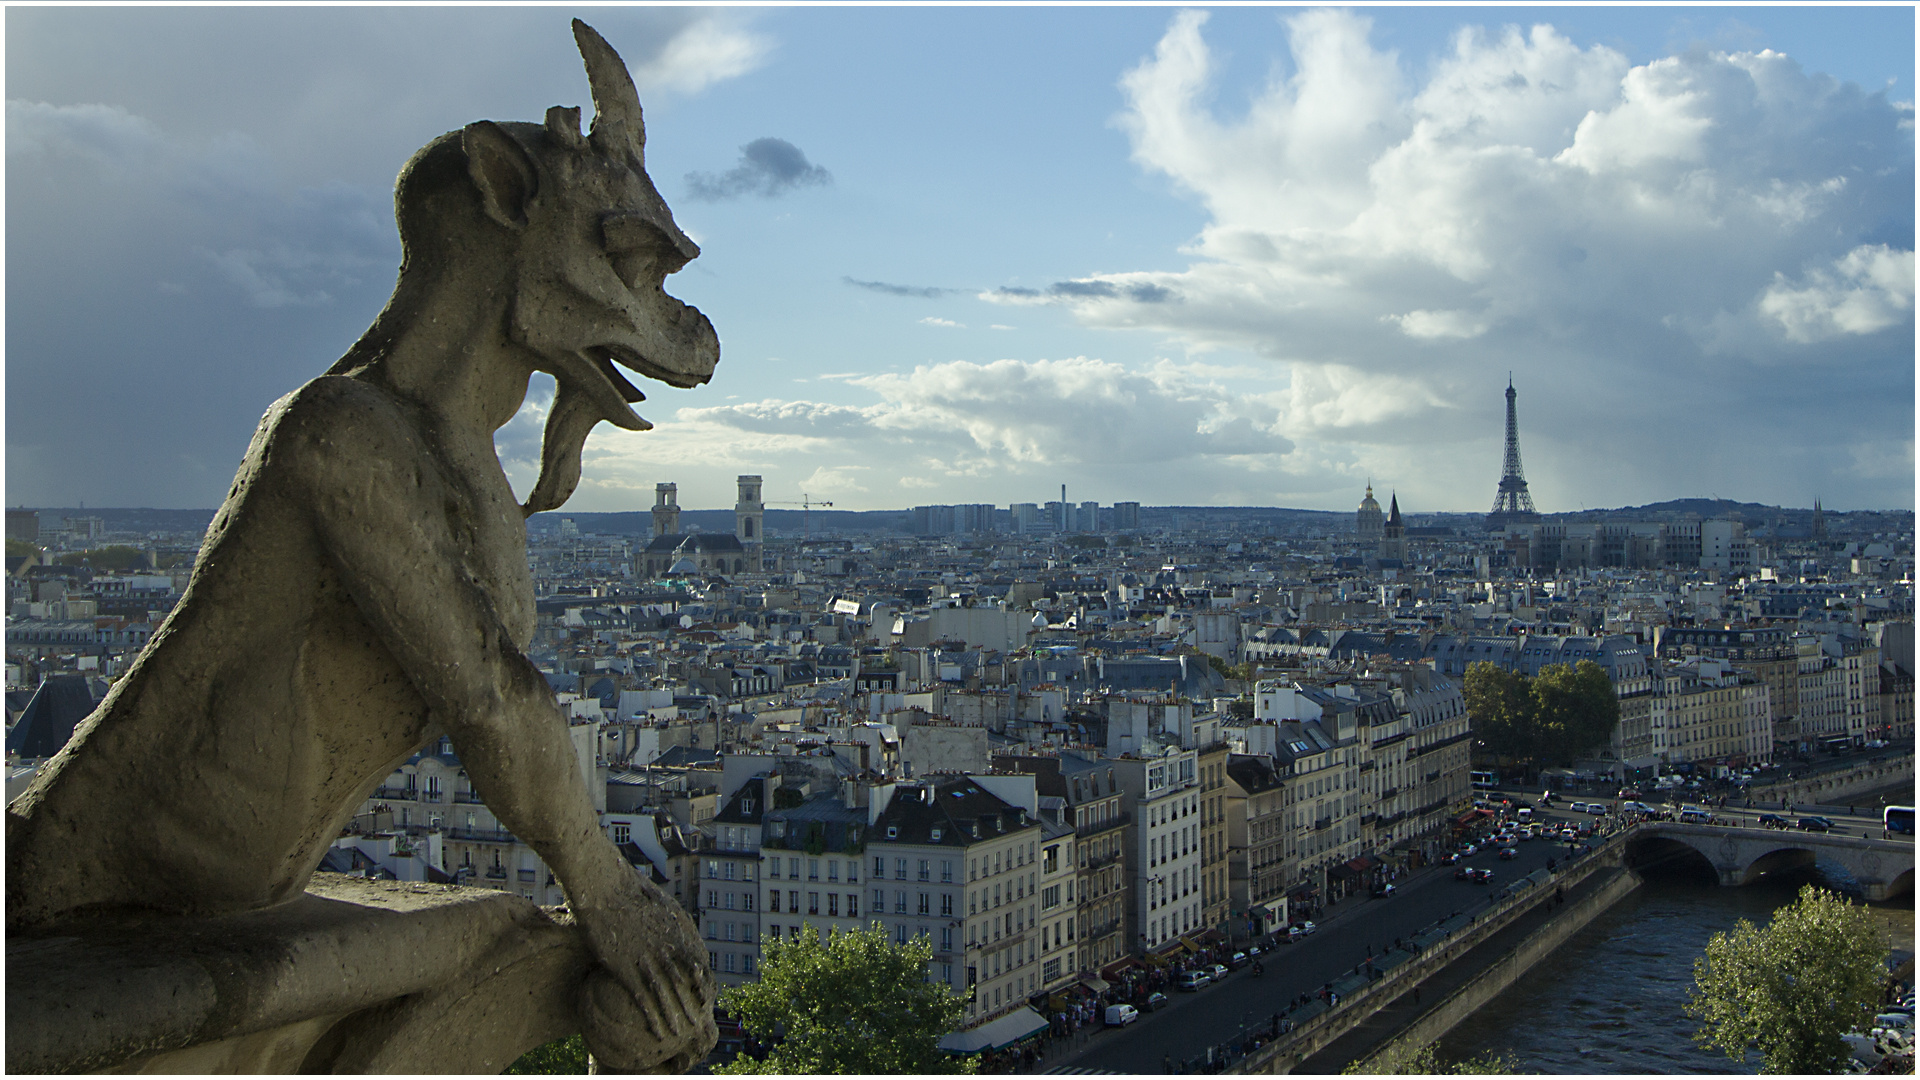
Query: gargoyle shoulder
<point x="338" y="423"/>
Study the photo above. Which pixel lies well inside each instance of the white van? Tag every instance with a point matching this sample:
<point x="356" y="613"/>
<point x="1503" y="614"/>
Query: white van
<point x="1121" y="1015"/>
<point x="1693" y="815"/>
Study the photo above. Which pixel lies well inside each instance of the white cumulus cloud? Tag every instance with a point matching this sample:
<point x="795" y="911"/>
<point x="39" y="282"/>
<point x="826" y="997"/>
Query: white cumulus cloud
<point x="1864" y="291"/>
<point x="1530" y="204"/>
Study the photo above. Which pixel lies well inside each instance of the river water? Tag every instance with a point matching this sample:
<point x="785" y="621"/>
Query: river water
<point x="1611" y="999"/>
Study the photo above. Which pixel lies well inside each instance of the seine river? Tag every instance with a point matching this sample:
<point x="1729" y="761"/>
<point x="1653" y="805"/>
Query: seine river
<point x="1610" y="1000"/>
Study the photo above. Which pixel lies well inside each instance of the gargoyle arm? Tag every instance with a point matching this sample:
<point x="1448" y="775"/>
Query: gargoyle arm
<point x="382" y="514"/>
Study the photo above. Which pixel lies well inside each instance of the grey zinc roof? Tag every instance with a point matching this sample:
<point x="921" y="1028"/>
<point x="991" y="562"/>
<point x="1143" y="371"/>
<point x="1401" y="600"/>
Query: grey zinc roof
<point x="957" y="808"/>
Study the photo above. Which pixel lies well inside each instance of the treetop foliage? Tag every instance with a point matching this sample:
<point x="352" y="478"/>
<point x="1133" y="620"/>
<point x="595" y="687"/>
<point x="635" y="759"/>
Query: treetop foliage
<point x="1547" y="719"/>
<point x="1792" y="988"/>
<point x="853" y="1002"/>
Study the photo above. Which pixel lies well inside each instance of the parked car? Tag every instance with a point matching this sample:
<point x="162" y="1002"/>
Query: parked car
<point x="1219" y="972"/>
<point x="1192" y="980"/>
<point x="1237" y="961"/>
<point x="1154" y="1002"/>
<point x="1305" y="926"/>
<point x="1121" y="1015"/>
<point x="1815" y="824"/>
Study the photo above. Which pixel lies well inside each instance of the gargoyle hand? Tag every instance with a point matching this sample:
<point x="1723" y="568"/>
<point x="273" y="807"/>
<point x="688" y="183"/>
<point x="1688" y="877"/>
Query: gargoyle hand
<point x="648" y="1006"/>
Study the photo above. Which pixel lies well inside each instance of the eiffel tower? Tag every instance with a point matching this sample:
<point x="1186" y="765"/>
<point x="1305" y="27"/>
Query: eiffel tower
<point x="1511" y="504"/>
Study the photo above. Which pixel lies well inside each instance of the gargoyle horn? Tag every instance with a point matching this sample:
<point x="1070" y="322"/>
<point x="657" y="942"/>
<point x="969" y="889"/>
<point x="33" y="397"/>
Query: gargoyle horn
<point x="617" y="126"/>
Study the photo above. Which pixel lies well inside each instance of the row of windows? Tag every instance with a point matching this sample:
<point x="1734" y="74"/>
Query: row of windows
<point x="813" y="868"/>
<point x="1000" y="861"/>
<point x="813" y="902"/>
<point x="924" y="870"/>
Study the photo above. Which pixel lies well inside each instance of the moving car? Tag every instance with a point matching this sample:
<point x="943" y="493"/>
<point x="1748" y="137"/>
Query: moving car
<point x="1384" y="891"/>
<point x="1121" y="1015"/>
<point x="1192" y="980"/>
<point x="1815" y="824"/>
<point x="1464" y="873"/>
<point x="1774" y="821"/>
<point x="1509" y="853"/>
<point x="1237" y="961"/>
<point x="1154" y="1002"/>
<point x="1482" y="877"/>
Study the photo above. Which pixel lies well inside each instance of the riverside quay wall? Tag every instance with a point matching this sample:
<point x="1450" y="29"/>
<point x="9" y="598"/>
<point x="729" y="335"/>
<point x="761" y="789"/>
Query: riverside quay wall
<point x="1837" y="787"/>
<point x="1518" y="931"/>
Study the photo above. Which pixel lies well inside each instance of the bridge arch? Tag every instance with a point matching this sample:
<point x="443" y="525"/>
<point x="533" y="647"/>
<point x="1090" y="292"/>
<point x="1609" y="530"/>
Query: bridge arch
<point x="1739" y="855"/>
<point x="1901" y="883"/>
<point x="1669" y="855"/>
<point x="1778" y="860"/>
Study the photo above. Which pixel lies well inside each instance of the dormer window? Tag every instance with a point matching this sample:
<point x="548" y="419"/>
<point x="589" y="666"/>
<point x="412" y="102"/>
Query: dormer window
<point x="746" y="806"/>
<point x="893" y="832"/>
<point x="777" y="828"/>
<point x="936" y="834"/>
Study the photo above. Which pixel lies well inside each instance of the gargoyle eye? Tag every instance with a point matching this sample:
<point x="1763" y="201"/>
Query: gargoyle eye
<point x="637" y="243"/>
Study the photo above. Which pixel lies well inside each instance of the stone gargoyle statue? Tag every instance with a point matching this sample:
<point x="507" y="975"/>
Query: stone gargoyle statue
<point x="364" y="588"/>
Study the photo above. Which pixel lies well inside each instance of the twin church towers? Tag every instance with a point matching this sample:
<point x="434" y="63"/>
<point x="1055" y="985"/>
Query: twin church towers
<point x="673" y="553"/>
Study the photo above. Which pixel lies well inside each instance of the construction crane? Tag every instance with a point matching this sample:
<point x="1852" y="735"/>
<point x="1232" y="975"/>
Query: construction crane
<point x="806" y="503"/>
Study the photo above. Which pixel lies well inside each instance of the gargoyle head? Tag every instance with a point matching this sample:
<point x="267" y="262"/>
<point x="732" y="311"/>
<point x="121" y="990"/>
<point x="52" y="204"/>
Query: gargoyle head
<point x="585" y="243"/>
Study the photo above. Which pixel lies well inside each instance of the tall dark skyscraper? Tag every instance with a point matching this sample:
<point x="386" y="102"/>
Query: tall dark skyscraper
<point x="1511" y="504"/>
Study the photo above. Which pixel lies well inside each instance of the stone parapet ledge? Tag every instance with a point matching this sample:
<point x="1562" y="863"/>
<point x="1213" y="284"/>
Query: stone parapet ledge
<point x="352" y="976"/>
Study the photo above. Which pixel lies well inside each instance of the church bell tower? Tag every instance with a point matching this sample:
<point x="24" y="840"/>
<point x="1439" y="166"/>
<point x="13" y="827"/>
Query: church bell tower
<point x="748" y="515"/>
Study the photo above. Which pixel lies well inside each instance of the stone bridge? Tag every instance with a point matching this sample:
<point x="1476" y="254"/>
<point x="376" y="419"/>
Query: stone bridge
<point x="1884" y="868"/>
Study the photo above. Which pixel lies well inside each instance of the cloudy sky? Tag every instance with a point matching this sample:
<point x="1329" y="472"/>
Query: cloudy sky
<point x="1250" y="256"/>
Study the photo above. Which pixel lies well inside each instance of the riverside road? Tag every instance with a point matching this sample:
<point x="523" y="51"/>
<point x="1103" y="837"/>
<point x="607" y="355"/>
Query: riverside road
<point x="1217" y="1014"/>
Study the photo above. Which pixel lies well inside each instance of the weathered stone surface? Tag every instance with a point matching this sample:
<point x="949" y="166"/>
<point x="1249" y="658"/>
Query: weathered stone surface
<point x="363" y="591"/>
<point x="352" y="976"/>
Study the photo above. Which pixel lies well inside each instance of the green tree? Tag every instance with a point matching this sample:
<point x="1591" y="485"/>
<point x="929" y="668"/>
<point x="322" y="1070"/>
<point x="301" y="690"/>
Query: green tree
<point x="111" y="557"/>
<point x="1792" y="988"/>
<point x="853" y="1002"/>
<point x="1574" y="709"/>
<point x="1500" y="710"/>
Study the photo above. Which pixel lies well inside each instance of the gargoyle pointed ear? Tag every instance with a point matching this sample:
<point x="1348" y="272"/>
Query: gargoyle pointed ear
<point x="501" y="170"/>
<point x="617" y="124"/>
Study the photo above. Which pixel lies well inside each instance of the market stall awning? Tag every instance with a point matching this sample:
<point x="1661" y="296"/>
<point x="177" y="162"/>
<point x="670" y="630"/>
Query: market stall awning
<point x="994" y="1034"/>
<point x="1094" y="983"/>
